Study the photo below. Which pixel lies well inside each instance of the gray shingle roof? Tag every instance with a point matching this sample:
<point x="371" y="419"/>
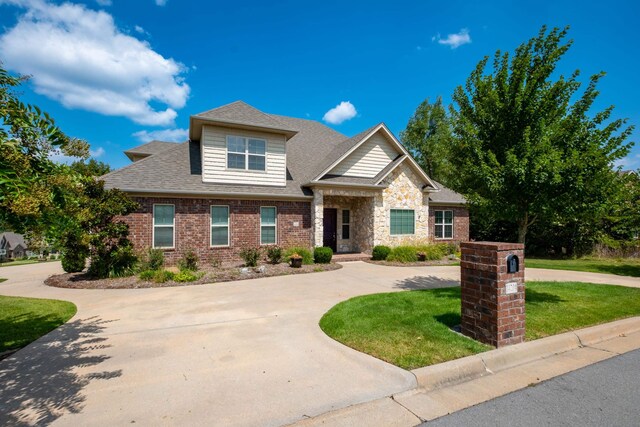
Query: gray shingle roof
<point x="13" y="239"/>
<point x="177" y="169"/>
<point x="150" y="148"/>
<point x="241" y="113"/>
<point x="446" y="196"/>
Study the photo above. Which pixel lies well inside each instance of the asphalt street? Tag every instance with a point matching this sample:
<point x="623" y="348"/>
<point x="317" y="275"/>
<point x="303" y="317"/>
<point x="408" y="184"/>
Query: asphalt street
<point x="604" y="394"/>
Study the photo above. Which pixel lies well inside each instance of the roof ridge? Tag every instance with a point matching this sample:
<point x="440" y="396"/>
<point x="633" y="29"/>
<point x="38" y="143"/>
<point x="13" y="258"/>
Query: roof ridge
<point x="177" y="144"/>
<point x="244" y="104"/>
<point x="156" y="141"/>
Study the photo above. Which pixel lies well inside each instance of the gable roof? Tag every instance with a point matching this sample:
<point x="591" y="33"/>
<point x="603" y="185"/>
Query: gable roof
<point x="311" y="150"/>
<point x="237" y="114"/>
<point x="13" y="239"/>
<point x="446" y="196"/>
<point x="149" y="148"/>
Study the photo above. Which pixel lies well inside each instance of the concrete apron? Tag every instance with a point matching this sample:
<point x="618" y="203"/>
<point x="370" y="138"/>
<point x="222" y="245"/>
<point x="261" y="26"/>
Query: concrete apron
<point x="237" y="353"/>
<point x="452" y="386"/>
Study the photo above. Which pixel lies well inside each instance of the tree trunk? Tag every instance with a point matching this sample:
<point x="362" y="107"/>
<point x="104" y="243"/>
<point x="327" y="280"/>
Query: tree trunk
<point x="523" y="224"/>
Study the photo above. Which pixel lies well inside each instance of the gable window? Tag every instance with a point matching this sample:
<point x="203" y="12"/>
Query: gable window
<point x="163" y="226"/>
<point x="268" y="225"/>
<point x="346" y="224"/>
<point x="443" y="225"/>
<point x="246" y="153"/>
<point x="402" y="221"/>
<point x="219" y="225"/>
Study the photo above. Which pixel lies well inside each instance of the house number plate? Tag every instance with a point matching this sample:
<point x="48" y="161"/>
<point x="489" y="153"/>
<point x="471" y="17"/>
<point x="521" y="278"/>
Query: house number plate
<point x="511" y="288"/>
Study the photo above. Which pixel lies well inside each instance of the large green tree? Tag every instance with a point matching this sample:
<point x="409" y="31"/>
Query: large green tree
<point x="428" y="136"/>
<point x="527" y="145"/>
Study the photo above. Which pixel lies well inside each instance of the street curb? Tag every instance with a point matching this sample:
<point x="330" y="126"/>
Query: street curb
<point x="476" y="366"/>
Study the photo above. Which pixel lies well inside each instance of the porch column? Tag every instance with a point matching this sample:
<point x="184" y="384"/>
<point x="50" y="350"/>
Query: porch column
<point x="317" y="216"/>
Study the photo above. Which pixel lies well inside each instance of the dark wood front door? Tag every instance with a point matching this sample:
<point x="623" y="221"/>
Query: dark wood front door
<point x="330" y="227"/>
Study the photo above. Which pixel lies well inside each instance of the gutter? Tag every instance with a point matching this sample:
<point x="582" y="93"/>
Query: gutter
<point x="235" y="195"/>
<point x="344" y="184"/>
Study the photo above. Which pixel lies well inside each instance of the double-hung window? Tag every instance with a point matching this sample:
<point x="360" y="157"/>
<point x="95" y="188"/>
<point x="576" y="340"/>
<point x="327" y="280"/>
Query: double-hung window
<point x="268" y="225"/>
<point x="443" y="225"/>
<point x="163" y="226"/>
<point x="346" y="224"/>
<point x="219" y="225"/>
<point x="402" y="221"/>
<point x="246" y="153"/>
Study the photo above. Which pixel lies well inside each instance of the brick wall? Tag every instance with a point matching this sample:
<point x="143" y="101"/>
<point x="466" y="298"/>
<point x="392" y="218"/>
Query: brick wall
<point x="460" y="222"/>
<point x="489" y="312"/>
<point x="192" y="222"/>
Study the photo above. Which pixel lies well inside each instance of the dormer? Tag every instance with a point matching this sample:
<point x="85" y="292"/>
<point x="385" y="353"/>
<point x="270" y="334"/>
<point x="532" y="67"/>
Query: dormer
<point x="241" y="145"/>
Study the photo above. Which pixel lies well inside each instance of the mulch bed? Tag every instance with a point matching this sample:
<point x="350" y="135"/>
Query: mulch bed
<point x="415" y="264"/>
<point x="82" y="281"/>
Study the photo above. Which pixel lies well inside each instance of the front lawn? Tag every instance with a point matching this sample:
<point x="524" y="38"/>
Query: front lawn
<point x="23" y="320"/>
<point x="619" y="266"/>
<point x="412" y="329"/>
<point x="24" y="261"/>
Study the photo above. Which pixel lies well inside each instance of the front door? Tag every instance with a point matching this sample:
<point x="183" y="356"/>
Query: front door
<point x="329" y="224"/>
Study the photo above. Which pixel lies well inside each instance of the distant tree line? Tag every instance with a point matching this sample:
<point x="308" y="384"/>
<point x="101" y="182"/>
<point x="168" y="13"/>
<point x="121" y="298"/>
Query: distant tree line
<point x="536" y="164"/>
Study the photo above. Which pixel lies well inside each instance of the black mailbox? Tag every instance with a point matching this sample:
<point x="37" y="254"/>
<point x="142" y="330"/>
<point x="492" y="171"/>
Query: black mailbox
<point x="513" y="264"/>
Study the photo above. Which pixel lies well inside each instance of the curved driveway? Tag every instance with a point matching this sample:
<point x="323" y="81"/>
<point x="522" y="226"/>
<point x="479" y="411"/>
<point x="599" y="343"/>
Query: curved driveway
<point x="236" y="353"/>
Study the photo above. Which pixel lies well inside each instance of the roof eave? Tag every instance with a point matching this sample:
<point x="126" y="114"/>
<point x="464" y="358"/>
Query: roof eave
<point x="312" y="184"/>
<point x="222" y="194"/>
<point x="196" y="123"/>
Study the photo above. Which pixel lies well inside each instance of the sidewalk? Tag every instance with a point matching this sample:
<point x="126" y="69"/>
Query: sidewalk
<point x="459" y="384"/>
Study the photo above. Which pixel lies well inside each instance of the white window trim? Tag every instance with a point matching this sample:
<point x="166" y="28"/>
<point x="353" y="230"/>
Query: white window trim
<point x="342" y="223"/>
<point x="414" y="221"/>
<point x="269" y="225"/>
<point x="435" y="224"/>
<point x="246" y="154"/>
<point x="219" y="226"/>
<point x="153" y="228"/>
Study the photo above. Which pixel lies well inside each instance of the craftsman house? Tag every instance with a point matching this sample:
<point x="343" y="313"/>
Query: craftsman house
<point x="247" y="178"/>
<point x="12" y="245"/>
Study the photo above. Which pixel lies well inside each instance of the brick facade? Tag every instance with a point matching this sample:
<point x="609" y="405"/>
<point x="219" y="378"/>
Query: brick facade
<point x="460" y="222"/>
<point x="489" y="313"/>
<point x="192" y="226"/>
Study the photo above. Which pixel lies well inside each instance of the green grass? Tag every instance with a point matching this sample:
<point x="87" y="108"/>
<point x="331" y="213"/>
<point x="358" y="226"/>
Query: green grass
<point x="24" y="261"/>
<point x="618" y="266"/>
<point x="2" y="280"/>
<point x="412" y="329"/>
<point x="23" y="320"/>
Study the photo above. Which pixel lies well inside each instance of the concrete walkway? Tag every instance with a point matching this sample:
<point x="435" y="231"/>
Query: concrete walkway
<point x="236" y="353"/>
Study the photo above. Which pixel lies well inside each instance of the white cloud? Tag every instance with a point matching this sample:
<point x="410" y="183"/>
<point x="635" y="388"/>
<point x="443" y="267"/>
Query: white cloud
<point x="79" y="57"/>
<point x="104" y="2"/>
<point x="99" y="152"/>
<point x="161" y="2"/>
<point x="340" y="113"/>
<point x="139" y="29"/>
<point x="630" y="162"/>
<point x="454" y="40"/>
<point x="168" y="135"/>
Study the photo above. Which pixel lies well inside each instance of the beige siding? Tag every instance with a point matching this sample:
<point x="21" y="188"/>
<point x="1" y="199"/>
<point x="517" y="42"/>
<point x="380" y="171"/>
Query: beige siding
<point x="368" y="159"/>
<point x="214" y="158"/>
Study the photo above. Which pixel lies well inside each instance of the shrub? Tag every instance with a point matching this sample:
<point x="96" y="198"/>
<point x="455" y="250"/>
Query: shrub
<point x="73" y="262"/>
<point x="274" y="254"/>
<point x="250" y="256"/>
<point x="162" y="276"/>
<point x="403" y="254"/>
<point x="117" y="261"/>
<point x="322" y="255"/>
<point x="305" y="253"/>
<point x="75" y="252"/>
<point x="380" y="252"/>
<point x="189" y="261"/>
<point x="186" y="276"/>
<point x="433" y="252"/>
<point x="153" y="260"/>
<point x="147" y="275"/>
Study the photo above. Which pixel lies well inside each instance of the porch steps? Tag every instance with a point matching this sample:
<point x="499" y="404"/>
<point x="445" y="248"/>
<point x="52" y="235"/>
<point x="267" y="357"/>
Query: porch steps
<point x="346" y="257"/>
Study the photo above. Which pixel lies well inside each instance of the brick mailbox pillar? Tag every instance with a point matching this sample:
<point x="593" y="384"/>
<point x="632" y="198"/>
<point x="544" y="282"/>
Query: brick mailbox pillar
<point x="492" y="291"/>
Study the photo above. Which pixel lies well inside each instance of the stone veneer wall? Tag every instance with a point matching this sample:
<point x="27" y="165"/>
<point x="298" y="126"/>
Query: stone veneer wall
<point x="361" y="220"/>
<point x="404" y="191"/>
<point x="192" y="222"/>
<point x="460" y="222"/>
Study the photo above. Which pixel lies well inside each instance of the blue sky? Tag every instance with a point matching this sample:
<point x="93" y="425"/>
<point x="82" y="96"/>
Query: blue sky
<point x="118" y="72"/>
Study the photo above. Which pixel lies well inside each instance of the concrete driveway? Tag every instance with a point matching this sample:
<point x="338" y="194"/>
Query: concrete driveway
<point x="236" y="353"/>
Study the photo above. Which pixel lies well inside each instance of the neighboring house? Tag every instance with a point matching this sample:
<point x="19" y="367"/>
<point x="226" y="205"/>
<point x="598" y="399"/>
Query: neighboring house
<point x="12" y="245"/>
<point x="247" y="178"/>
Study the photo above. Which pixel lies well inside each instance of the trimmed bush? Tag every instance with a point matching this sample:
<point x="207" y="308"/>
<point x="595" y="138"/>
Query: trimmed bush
<point x="305" y="253"/>
<point x="380" y="252"/>
<point x="274" y="254"/>
<point x="403" y="254"/>
<point x="250" y="256"/>
<point x="189" y="261"/>
<point x="74" y="262"/>
<point x="186" y="276"/>
<point x="322" y="255"/>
